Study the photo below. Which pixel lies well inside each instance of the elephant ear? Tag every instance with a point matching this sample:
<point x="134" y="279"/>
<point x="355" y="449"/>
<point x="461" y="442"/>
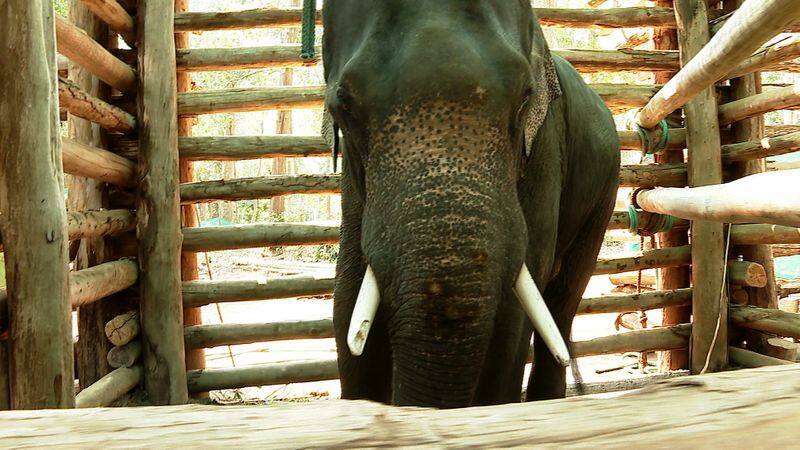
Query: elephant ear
<point x="546" y="86"/>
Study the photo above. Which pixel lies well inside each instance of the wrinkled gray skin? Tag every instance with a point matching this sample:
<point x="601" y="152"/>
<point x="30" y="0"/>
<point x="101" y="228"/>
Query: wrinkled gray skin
<point x="439" y="101"/>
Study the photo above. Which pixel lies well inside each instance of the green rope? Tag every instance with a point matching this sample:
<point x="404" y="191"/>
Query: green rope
<point x="658" y="223"/>
<point x="647" y="141"/>
<point x="307" y="50"/>
<point x="633" y="217"/>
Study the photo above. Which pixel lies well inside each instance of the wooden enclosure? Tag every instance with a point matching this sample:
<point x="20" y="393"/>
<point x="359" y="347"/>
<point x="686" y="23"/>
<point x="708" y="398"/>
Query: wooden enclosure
<point x="129" y="117"/>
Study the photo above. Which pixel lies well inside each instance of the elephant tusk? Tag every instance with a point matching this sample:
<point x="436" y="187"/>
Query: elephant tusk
<point x="536" y="309"/>
<point x="363" y="313"/>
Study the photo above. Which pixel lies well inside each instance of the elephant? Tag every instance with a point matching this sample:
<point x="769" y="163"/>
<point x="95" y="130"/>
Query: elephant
<point x="475" y="165"/>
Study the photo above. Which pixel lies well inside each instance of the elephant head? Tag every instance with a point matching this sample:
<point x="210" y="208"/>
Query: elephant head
<point x="438" y="102"/>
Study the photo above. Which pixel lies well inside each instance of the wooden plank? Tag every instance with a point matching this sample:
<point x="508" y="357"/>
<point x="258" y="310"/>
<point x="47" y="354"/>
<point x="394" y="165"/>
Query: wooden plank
<point x="771" y="100"/>
<point x="751" y="26"/>
<point x="115" y="16"/>
<point x="755" y="234"/>
<point x="239" y="148"/>
<point x="262" y="375"/>
<point x="208" y="336"/>
<point x="636" y="302"/>
<point x="102" y="165"/>
<point x="76" y="45"/>
<point x="767" y="397"/>
<point x="759" y="198"/>
<point x="209" y="239"/>
<point x="33" y="212"/>
<point x="748" y="359"/>
<point x="773" y="321"/>
<point x="79" y="103"/>
<point x="237" y="20"/>
<point x="250" y="99"/>
<point x="665" y="257"/>
<point x="110" y="388"/>
<point x="651" y="339"/>
<point x="260" y="187"/>
<point x="158" y="210"/>
<point x="200" y="293"/>
<point x="97" y="282"/>
<point x="123" y="329"/>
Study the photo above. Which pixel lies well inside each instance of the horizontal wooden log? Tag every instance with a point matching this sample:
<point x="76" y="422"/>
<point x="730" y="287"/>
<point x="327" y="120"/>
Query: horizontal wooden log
<point x="81" y="49"/>
<point x="746" y="273"/>
<point x="625" y="96"/>
<point x="647" y="340"/>
<point x="752" y="360"/>
<point x="636" y="302"/>
<point x="783" y="51"/>
<point x="760" y="198"/>
<point x="706" y="409"/>
<point x="250" y="99"/>
<point x="666" y="175"/>
<point x="209" y="239"/>
<point x="770" y="100"/>
<point x="241" y="58"/>
<point x="770" y="146"/>
<point x="200" y="293"/>
<point x="208" y="336"/>
<point x="125" y="356"/>
<point x="115" y="16"/>
<point x="588" y="61"/>
<point x="789" y="288"/>
<point x="123" y="328"/>
<point x="261" y="375"/>
<point x="620" y="220"/>
<point x="260" y="187"/>
<point x="98" y="282"/>
<point x="110" y="388"/>
<point x="658" y="258"/>
<point x="760" y="234"/>
<point x="97" y="163"/>
<point x="781" y="250"/>
<point x="630" y="140"/>
<point x="86" y="224"/>
<point x="80" y="104"/>
<point x="238" y="20"/>
<point x="753" y="24"/>
<point x="238" y="148"/>
<point x="768" y="320"/>
<point x="645" y="278"/>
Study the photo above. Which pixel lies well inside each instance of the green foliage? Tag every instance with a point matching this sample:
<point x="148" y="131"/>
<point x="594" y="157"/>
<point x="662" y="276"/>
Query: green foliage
<point x="62" y="7"/>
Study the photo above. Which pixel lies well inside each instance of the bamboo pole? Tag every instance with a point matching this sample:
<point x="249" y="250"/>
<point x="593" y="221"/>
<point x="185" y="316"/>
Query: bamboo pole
<point x="771" y="100"/>
<point x="115" y="16"/>
<point x="750" y="27"/>
<point x="76" y="45"/>
<point x="647" y="340"/>
<point x="33" y="211"/>
<point x="665" y="257"/>
<point x="126" y="355"/>
<point x="752" y="360"/>
<point x="759" y="198"/>
<point x="158" y="210"/>
<point x="102" y="165"/>
<point x="97" y="282"/>
<point x="208" y="336"/>
<point x="200" y="293"/>
<point x="636" y="302"/>
<point x="238" y="148"/>
<point x="209" y="239"/>
<point x="80" y="104"/>
<point x="767" y="320"/>
<point x="110" y="388"/>
<point x="261" y="187"/>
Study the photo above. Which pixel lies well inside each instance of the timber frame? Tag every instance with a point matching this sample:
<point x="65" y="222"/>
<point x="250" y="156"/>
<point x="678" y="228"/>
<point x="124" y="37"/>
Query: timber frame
<point x="134" y="276"/>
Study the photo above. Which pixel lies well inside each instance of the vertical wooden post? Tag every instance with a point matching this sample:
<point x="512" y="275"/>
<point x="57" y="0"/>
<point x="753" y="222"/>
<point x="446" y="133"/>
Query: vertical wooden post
<point x="675" y="277"/>
<point x="195" y="358"/>
<point x="33" y="212"/>
<point x="709" y="348"/>
<point x="5" y="394"/>
<point x="158" y="212"/>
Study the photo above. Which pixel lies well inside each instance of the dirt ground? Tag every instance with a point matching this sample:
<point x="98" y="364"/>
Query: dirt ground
<point x="249" y="264"/>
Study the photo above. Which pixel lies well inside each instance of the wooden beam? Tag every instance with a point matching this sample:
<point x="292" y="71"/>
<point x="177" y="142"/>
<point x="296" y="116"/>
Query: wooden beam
<point x="124" y="328"/>
<point x="771" y="100"/>
<point x="238" y="148"/>
<point x="262" y="375"/>
<point x="158" y="209"/>
<point x="200" y="293"/>
<point x="76" y="45"/>
<point x="97" y="282"/>
<point x="647" y="340"/>
<point x="751" y="26"/>
<point x="644" y="176"/>
<point x="752" y="360"/>
<point x="768" y="395"/>
<point x="768" y="320"/>
<point x="126" y="355"/>
<point x="635" y="302"/>
<point x="759" y="198"/>
<point x="92" y="162"/>
<point x="85" y="224"/>
<point x="746" y="273"/>
<point x="208" y="336"/>
<point x="620" y="220"/>
<point x="110" y="388"/>
<point x="665" y="257"/>
<point x="33" y="211"/>
<point x="768" y="57"/>
<point x="261" y="187"/>
<point x="788" y="289"/>
<point x="761" y="148"/>
<point x="250" y="99"/>
<point x="115" y="16"/>
<point x="237" y="20"/>
<point x="81" y="104"/>
<point x="210" y="239"/>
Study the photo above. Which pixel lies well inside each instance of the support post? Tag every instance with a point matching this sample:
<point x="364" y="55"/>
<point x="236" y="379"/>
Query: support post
<point x="158" y="212"/>
<point x="195" y="358"/>
<point x="33" y="216"/>
<point x="709" y="343"/>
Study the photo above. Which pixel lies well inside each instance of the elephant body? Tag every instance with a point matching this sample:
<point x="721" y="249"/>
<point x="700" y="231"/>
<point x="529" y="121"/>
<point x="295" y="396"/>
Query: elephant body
<point x="468" y="150"/>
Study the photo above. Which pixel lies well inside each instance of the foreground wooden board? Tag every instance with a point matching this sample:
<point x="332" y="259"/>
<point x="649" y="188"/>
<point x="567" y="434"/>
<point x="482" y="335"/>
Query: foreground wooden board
<point x="688" y="412"/>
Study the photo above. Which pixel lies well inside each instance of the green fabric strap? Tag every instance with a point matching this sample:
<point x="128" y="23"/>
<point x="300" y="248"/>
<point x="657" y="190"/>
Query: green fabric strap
<point x="658" y="223"/>
<point x="307" y="51"/>
<point x="647" y="141"/>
